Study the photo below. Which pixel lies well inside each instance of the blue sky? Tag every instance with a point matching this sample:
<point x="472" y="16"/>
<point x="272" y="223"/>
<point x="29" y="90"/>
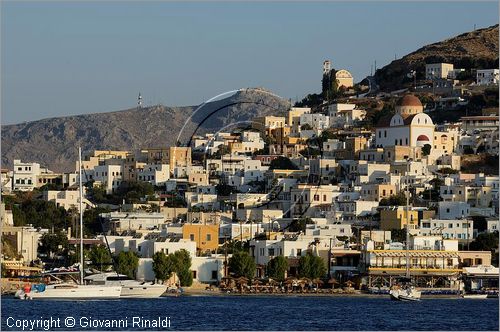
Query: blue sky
<point x="61" y="58"/>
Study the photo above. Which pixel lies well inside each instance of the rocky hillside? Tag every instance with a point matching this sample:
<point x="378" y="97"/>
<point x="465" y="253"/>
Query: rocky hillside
<point x="53" y="142"/>
<point x="475" y="49"/>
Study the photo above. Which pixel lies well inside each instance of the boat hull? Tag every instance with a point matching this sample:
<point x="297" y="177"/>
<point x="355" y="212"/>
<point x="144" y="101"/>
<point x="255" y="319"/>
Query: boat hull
<point x="475" y="296"/>
<point x="79" y="292"/>
<point x="405" y="295"/>
<point x="148" y="291"/>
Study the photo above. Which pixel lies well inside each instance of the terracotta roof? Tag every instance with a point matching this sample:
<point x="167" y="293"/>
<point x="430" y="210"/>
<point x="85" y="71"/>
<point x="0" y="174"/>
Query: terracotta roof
<point x="385" y="121"/>
<point x="409" y="100"/>
<point x="407" y="119"/>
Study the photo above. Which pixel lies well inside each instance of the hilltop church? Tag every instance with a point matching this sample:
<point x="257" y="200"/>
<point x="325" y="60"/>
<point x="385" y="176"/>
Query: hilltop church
<point x="410" y="126"/>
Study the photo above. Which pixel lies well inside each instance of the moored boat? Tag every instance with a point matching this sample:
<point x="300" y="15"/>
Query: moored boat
<point x="67" y="291"/>
<point x="129" y="288"/>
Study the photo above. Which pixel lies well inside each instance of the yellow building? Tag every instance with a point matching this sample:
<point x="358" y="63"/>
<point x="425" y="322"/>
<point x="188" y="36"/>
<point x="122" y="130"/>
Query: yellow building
<point x="344" y="78"/>
<point x="353" y="147"/>
<point x="376" y="192"/>
<point x="293" y="118"/>
<point x="130" y="167"/>
<point x="174" y="156"/>
<point x="205" y="236"/>
<point x="280" y="135"/>
<point x="179" y="156"/>
<point x="199" y="179"/>
<point x="394" y="217"/>
<point x="445" y="142"/>
<point x="265" y="124"/>
<point x="100" y="156"/>
<point x="401" y="152"/>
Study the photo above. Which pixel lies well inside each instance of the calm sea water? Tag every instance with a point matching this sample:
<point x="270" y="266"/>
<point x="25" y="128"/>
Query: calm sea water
<point x="267" y="313"/>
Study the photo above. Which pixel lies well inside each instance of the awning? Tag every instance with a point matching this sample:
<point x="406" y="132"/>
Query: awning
<point x="418" y="254"/>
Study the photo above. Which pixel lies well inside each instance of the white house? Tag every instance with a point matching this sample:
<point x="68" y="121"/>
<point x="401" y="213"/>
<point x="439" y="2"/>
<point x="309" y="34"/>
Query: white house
<point x="25" y="175"/>
<point x="156" y="174"/>
<point x="317" y="121"/>
<point x="108" y="176"/>
<point x="458" y="229"/>
<point x="66" y="199"/>
<point x="120" y="221"/>
<point x="344" y="115"/>
<point x="328" y="231"/>
<point x="438" y="70"/>
<point x="453" y="210"/>
<point x="487" y="76"/>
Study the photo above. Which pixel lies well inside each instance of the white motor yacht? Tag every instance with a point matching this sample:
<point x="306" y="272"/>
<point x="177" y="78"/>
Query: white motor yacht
<point x="129" y="288"/>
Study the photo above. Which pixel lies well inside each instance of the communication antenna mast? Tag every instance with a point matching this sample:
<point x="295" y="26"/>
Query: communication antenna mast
<point x="139" y="101"/>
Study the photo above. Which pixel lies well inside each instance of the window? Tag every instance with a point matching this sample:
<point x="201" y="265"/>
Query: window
<point x="299" y="252"/>
<point x="270" y="252"/>
<point x="191" y="237"/>
<point x="209" y="237"/>
<point x="194" y="274"/>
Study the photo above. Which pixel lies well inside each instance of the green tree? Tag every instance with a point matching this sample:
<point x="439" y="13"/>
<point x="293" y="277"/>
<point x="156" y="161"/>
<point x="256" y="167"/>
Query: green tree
<point x="54" y="244"/>
<point x="311" y="100"/>
<point x="99" y="255"/>
<point x="394" y="200"/>
<point x="312" y="267"/>
<point x="162" y="266"/>
<point x="92" y="222"/>
<point x="133" y="191"/>
<point x="277" y="267"/>
<point x="426" y="149"/>
<point x="487" y="242"/>
<point x="306" y="126"/>
<point x="181" y="262"/>
<point x="241" y="264"/>
<point x="398" y="235"/>
<point x="97" y="194"/>
<point x="223" y="189"/>
<point x="40" y="213"/>
<point x="298" y="225"/>
<point x="448" y="170"/>
<point x="127" y="263"/>
<point x="221" y="151"/>
<point x="282" y="163"/>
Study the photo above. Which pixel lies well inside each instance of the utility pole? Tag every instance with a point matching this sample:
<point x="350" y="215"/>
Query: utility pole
<point x="225" y="256"/>
<point x="407" y="219"/>
<point x="330" y="260"/>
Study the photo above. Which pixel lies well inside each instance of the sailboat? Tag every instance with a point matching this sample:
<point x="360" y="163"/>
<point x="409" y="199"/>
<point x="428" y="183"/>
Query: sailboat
<point x="72" y="291"/>
<point x="406" y="291"/>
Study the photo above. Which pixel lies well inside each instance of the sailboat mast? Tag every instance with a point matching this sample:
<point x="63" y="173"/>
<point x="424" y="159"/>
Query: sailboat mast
<point x="407" y="220"/>
<point x="81" y="212"/>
